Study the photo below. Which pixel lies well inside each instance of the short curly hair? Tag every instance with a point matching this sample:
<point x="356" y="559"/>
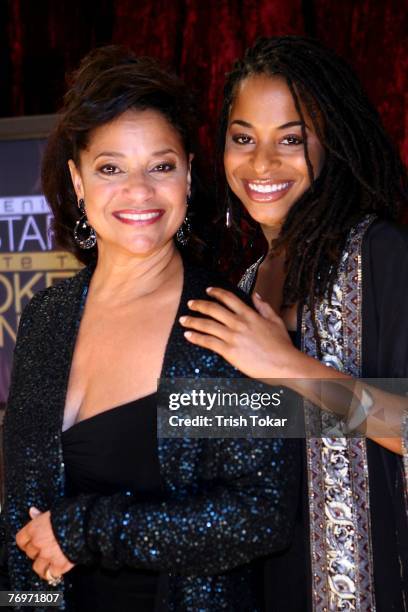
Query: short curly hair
<point x="110" y="80"/>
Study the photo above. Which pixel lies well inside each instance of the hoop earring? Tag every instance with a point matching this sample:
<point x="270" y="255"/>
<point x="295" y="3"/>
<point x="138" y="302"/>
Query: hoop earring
<point x="184" y="231"/>
<point x="84" y="234"/>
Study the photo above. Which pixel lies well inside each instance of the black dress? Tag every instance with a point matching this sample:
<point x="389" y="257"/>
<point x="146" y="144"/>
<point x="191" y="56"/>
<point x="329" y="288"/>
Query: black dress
<point x="113" y="451"/>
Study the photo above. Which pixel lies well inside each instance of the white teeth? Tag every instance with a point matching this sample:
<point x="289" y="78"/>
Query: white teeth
<point x="269" y="188"/>
<point x="138" y="216"/>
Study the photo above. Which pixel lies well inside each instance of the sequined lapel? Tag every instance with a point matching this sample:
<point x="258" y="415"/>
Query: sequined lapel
<point x="181" y="460"/>
<point x="179" y="457"/>
<point x="67" y="321"/>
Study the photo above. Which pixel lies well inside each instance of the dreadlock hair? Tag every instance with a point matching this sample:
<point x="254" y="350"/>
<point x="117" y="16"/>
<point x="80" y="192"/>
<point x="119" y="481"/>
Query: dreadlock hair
<point x="362" y="173"/>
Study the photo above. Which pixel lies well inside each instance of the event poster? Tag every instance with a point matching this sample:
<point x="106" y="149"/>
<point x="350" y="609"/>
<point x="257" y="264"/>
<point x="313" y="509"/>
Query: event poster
<point x="29" y="261"/>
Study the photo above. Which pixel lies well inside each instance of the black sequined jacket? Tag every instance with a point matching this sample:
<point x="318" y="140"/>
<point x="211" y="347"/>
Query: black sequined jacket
<point x="227" y="501"/>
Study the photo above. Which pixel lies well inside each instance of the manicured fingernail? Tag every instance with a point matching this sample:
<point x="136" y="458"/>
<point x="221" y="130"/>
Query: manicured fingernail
<point x="258" y="296"/>
<point x="209" y="289"/>
<point x="183" y="319"/>
<point x="190" y="303"/>
<point x="188" y="334"/>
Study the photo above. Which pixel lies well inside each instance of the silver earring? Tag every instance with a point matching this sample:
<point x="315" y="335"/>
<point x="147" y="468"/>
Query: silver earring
<point x="228" y="217"/>
<point x="84" y="234"/>
<point x="184" y="231"/>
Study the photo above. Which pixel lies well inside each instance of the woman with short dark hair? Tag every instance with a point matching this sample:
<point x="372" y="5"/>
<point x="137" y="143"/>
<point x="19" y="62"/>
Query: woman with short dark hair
<point x="101" y="91"/>
<point x="121" y="520"/>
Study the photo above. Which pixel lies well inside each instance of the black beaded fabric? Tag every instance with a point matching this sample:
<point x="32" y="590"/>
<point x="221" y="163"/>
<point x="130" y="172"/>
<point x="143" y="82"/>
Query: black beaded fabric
<point x="226" y="501"/>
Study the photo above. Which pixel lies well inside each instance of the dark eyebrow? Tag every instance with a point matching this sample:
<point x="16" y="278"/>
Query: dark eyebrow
<point x="117" y="154"/>
<point x="109" y="154"/>
<point x="241" y="122"/>
<point x="291" y="124"/>
<point x="165" y="151"/>
<point x="280" y="127"/>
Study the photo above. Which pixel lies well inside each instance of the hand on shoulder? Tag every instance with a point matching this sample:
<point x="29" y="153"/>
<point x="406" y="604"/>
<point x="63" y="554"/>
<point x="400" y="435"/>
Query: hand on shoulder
<point x="256" y="342"/>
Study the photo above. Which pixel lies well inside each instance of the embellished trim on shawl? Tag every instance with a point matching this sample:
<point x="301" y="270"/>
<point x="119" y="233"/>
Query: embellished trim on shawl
<point x="341" y="549"/>
<point x="247" y="280"/>
<point x="404" y="433"/>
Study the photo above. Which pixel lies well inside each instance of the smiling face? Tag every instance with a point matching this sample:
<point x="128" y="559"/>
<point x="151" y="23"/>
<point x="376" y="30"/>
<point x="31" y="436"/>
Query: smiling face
<point x="264" y="156"/>
<point x="134" y="177"/>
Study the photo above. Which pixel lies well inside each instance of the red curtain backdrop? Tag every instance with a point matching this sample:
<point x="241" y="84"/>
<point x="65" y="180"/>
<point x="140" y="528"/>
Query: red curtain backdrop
<point x="43" y="40"/>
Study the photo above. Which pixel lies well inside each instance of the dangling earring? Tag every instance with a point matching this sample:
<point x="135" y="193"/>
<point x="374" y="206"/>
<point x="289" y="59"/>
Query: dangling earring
<point x="228" y="217"/>
<point x="84" y="233"/>
<point x="228" y="210"/>
<point x="184" y="231"/>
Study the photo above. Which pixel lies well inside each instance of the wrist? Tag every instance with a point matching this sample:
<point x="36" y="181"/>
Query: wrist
<point x="69" y="528"/>
<point x="297" y="364"/>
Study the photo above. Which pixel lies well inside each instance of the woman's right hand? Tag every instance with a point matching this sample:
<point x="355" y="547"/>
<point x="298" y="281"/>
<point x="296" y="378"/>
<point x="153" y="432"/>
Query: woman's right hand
<point x="37" y="540"/>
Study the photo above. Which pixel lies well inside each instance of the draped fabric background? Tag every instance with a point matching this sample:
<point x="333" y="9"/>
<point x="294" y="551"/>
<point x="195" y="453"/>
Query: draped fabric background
<point x="41" y="40"/>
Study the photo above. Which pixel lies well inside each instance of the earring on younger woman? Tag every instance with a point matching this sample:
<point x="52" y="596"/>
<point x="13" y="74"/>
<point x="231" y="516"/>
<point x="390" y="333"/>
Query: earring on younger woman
<point x="84" y="234"/>
<point x="228" y="210"/>
<point x="228" y="217"/>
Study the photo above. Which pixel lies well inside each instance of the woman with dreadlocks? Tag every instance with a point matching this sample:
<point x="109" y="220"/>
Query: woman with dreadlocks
<point x="307" y="158"/>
